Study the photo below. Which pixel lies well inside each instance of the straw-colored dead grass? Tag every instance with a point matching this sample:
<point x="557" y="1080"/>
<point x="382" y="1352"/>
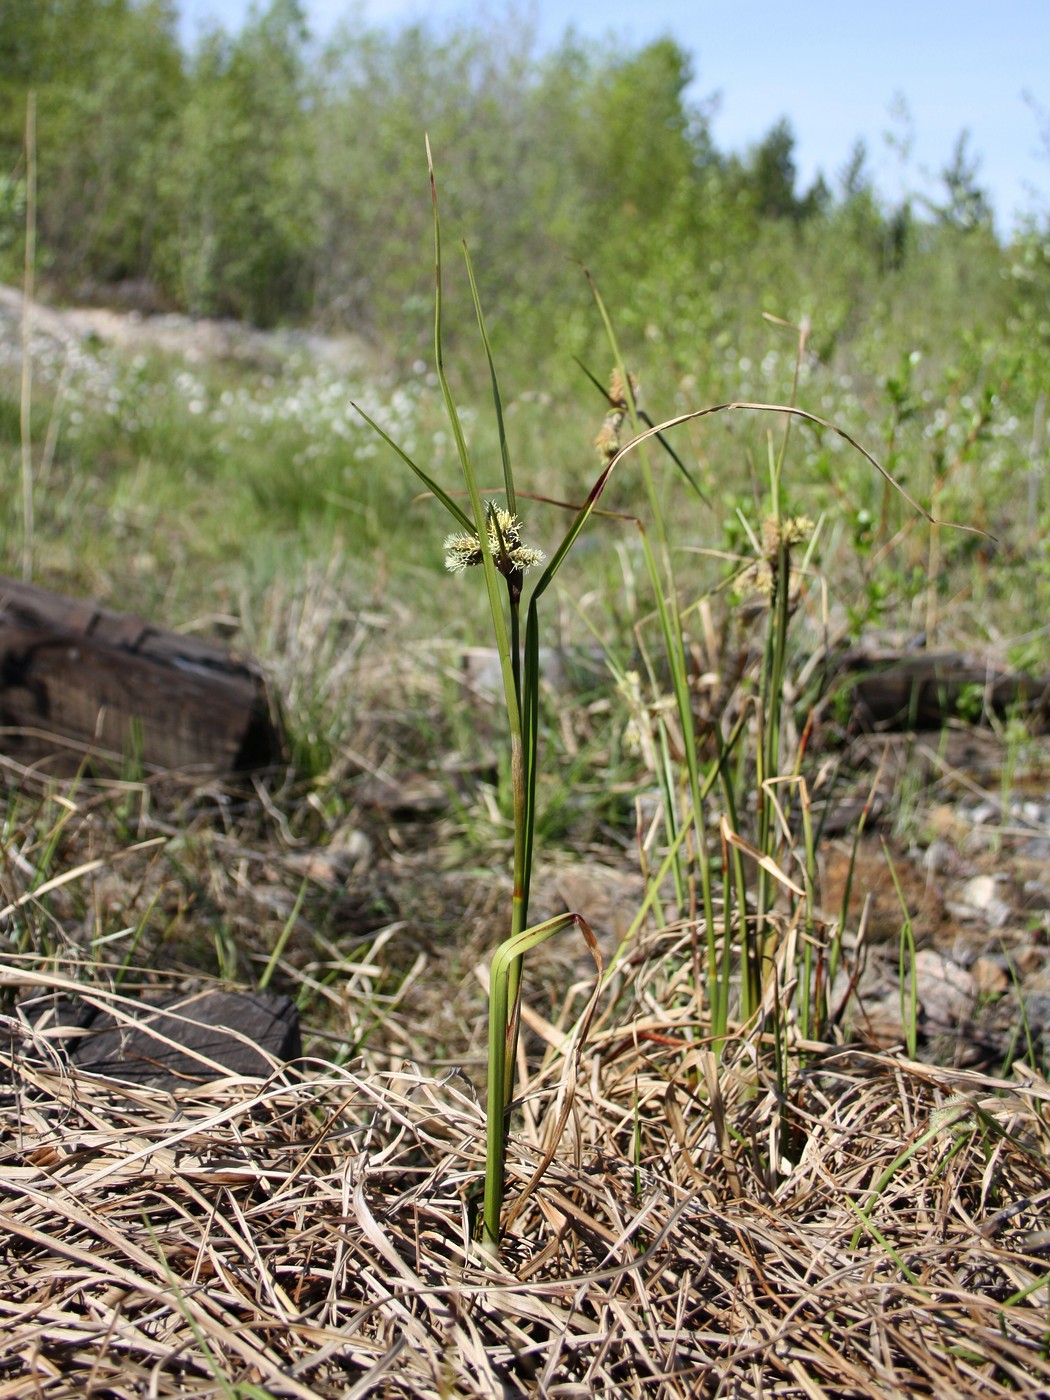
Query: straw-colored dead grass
<point x="876" y="1228"/>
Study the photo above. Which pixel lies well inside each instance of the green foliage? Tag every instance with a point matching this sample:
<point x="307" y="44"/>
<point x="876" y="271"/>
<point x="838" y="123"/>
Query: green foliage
<point x="240" y="184"/>
<point x="628" y="149"/>
<point x="966" y="205"/>
<point x="265" y="176"/>
<point x="769" y="176"/>
<point x="12" y="223"/>
<point x="109" y="82"/>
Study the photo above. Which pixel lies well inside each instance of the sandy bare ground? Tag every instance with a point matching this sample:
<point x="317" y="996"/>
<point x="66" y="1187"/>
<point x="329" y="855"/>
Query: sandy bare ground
<point x="197" y="340"/>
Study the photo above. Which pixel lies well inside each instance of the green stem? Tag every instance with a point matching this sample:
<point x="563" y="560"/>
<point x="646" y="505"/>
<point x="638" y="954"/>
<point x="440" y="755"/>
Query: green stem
<point x="507" y="957"/>
<point x="508" y="650"/>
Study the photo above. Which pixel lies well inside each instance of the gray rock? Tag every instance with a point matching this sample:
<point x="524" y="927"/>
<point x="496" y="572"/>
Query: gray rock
<point x="946" y="991"/>
<point x="981" y="899"/>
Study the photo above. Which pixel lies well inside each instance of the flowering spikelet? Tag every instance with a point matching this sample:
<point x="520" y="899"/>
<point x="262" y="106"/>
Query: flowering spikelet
<point x="608" y="440"/>
<point x="616" y="390"/>
<point x="509" y="554"/>
<point x="761" y="576"/>
<point x="794" y="530"/>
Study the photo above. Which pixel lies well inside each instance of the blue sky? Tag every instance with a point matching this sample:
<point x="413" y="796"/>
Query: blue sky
<point x="837" y="70"/>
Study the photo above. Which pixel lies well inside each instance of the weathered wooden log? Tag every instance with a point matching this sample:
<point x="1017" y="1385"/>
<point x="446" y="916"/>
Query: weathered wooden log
<point x="174" y="1043"/>
<point x="925" y="690"/>
<point x="78" y="681"/>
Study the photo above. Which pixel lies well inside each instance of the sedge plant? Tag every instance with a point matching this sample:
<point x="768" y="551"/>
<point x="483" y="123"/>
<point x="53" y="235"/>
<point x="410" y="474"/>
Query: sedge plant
<point x="490" y="537"/>
<point x="740" y="934"/>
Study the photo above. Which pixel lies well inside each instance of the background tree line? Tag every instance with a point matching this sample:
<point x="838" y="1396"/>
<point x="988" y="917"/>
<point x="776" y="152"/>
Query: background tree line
<point x="264" y="176"/>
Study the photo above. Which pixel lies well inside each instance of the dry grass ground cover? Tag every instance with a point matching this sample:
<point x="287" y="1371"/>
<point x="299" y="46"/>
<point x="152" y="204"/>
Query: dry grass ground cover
<point x="700" y="1225"/>
<point x="876" y="1227"/>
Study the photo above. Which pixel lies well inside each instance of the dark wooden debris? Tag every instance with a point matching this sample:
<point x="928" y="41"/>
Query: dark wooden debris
<point x="176" y="1042"/>
<point x="895" y="690"/>
<point x="81" y="681"/>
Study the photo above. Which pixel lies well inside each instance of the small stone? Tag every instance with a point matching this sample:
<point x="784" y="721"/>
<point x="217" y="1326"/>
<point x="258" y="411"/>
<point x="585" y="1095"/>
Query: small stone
<point x="1029" y="960"/>
<point x="981" y="895"/>
<point x="979" y="892"/>
<point x="991" y="976"/>
<point x="939" y="857"/>
<point x="1037" y="1016"/>
<point x="946" y="991"/>
<point x="348" y="853"/>
<point x="352" y="845"/>
<point x="943" y="820"/>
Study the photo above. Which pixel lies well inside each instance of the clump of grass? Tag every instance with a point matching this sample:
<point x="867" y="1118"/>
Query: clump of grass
<point x="762" y="955"/>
